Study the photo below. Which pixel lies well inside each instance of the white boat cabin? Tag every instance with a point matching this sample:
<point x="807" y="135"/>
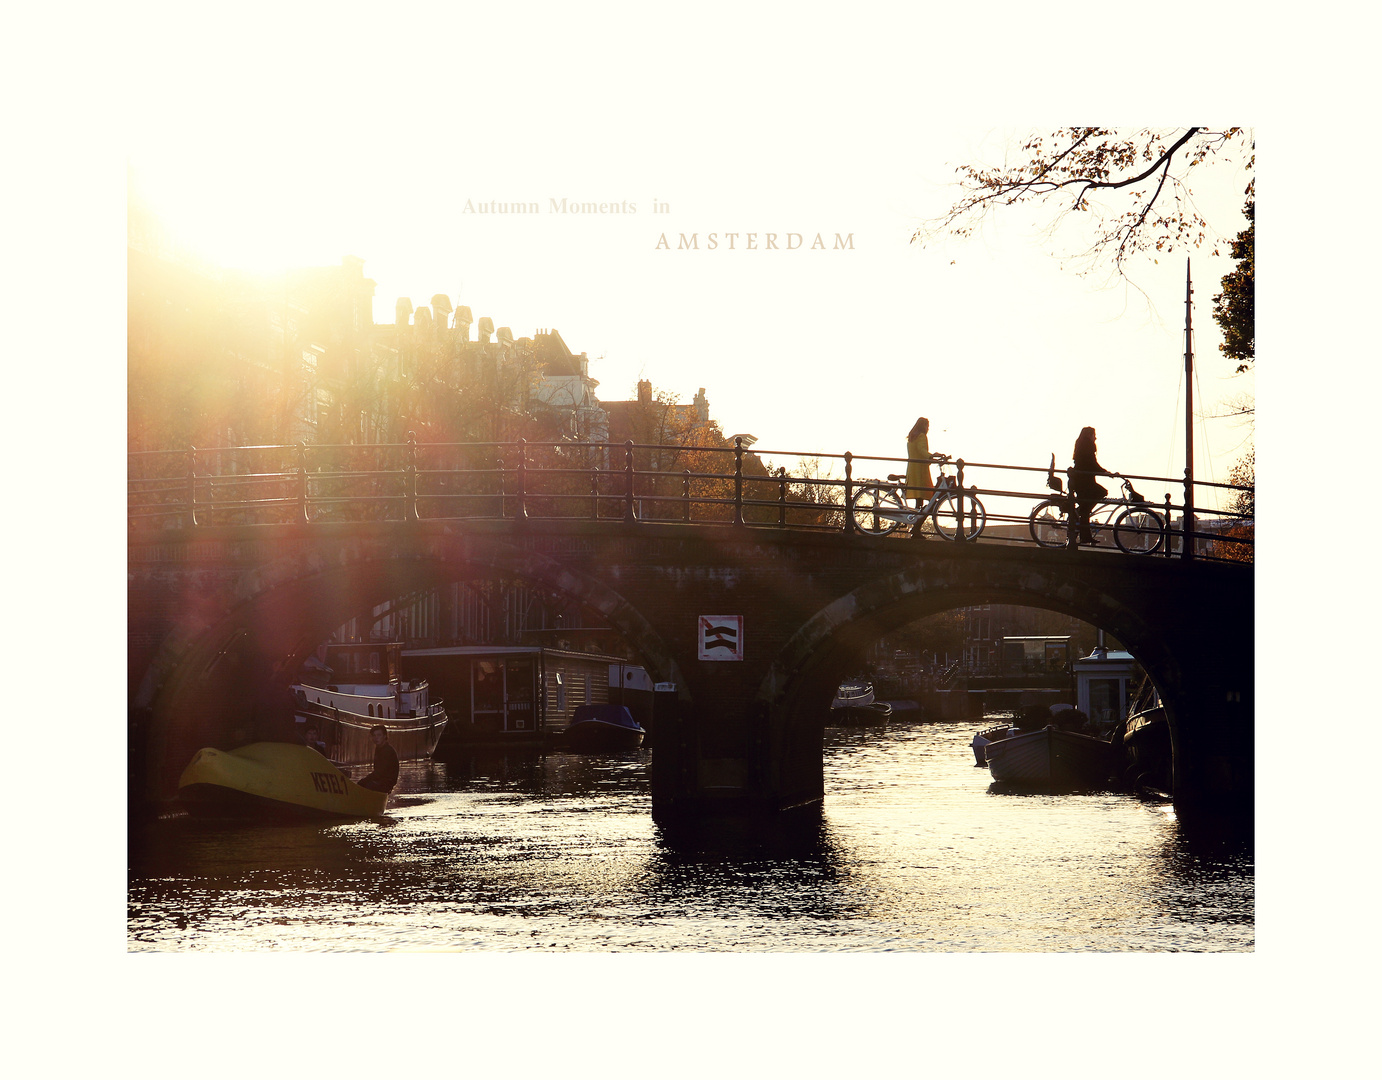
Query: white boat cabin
<point x="1101" y="685"/>
<point x="365" y="679"/>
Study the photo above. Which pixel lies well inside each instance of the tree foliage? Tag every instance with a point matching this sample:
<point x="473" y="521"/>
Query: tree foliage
<point x="1134" y="185"/>
<point x="1233" y="308"/>
<point x="1244" y="472"/>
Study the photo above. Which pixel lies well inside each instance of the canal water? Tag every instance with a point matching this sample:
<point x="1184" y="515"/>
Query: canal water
<point x="915" y="850"/>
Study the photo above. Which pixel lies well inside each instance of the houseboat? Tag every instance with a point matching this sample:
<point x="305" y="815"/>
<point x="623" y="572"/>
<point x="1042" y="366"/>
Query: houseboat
<point x="1066" y="748"/>
<point x="520" y="694"/>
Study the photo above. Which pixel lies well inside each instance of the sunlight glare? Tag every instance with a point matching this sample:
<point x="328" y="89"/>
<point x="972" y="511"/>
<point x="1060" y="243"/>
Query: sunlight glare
<point x="257" y="217"/>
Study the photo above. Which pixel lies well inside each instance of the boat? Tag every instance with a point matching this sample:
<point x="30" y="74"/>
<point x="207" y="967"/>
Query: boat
<point x="853" y="694"/>
<point x="358" y="688"/>
<point x="599" y="728"/>
<point x="854" y="702"/>
<point x="273" y="780"/>
<point x="990" y="734"/>
<point x="1050" y="757"/>
<point x="1147" y="742"/>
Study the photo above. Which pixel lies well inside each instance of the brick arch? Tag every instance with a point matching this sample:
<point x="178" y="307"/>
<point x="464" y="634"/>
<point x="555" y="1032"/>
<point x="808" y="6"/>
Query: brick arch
<point x="810" y="664"/>
<point x="258" y="623"/>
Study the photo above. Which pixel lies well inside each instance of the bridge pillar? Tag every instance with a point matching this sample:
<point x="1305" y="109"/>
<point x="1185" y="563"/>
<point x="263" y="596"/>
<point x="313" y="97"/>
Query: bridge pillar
<point x="1212" y="767"/>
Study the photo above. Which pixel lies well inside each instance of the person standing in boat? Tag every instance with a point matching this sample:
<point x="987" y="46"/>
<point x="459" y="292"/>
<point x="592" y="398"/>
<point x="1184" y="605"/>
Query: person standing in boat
<point x="1083" y="485"/>
<point x="385" y="774"/>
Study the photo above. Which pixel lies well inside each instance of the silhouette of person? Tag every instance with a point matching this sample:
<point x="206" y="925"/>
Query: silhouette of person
<point x="385" y="774"/>
<point x="312" y="739"/>
<point x="919" y="483"/>
<point x="1083" y="485"/>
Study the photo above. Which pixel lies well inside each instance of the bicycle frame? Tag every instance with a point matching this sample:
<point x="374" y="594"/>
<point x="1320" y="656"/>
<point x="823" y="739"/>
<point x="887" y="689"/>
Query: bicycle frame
<point x="879" y="507"/>
<point x="907" y="515"/>
<point x="1136" y="524"/>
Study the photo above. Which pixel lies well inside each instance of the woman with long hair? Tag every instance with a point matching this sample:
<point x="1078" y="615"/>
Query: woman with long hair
<point x="919" y="482"/>
<point x="1087" y="490"/>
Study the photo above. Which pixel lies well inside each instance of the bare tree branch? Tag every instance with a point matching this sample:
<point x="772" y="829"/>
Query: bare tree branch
<point x="1089" y="161"/>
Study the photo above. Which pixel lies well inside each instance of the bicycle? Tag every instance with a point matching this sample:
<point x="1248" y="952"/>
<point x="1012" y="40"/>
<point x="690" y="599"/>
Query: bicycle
<point x="1138" y="530"/>
<point x="879" y="507"/>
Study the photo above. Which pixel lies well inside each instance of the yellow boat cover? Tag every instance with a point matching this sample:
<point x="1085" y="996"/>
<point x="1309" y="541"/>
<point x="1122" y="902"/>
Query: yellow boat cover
<point x="274" y="776"/>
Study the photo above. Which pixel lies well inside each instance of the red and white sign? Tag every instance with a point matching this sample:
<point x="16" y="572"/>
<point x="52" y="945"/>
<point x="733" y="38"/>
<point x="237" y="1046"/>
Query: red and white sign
<point x="720" y="637"/>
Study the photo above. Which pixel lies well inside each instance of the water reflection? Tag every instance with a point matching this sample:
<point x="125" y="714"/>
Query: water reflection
<point x="515" y="851"/>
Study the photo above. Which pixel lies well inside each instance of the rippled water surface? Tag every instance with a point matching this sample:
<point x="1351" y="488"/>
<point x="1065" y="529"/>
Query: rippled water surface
<point x="914" y="851"/>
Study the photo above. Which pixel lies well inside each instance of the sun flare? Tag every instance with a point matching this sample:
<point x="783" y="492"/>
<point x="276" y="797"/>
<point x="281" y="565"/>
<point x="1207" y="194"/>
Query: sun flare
<point x="231" y="217"/>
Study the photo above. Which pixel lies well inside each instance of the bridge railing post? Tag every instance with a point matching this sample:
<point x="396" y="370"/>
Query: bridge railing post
<point x="303" y="515"/>
<point x="1071" y="539"/>
<point x="522" y="510"/>
<point x="595" y="493"/>
<point x="686" y="495"/>
<point x="629" y="513"/>
<point x="738" y="480"/>
<point x="1187" y="521"/>
<point x="960" y="499"/>
<point x="849" y="491"/>
<point x="410" y="480"/>
<point x="782" y="495"/>
<point x="1166" y="547"/>
<point x="192" y="486"/>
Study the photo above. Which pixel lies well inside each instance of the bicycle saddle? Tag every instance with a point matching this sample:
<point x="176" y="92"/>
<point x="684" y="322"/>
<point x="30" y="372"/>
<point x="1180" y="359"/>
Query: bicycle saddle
<point x="897" y="476"/>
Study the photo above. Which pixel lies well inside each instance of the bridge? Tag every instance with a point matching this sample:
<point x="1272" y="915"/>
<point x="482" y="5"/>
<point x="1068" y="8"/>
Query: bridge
<point x="237" y="571"/>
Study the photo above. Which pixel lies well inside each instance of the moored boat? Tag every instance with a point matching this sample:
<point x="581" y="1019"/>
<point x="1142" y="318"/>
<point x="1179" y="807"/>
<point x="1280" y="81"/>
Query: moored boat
<point x="1050" y="757"/>
<point x="854" y="703"/>
<point x="361" y="689"/>
<point x="272" y="780"/>
<point x="853" y="694"/>
<point x="602" y="728"/>
<point x="1147" y="742"/>
<point x="990" y="734"/>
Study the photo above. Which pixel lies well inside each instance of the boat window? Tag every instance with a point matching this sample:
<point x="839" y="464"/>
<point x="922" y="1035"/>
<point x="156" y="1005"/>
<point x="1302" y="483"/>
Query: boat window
<point x="1105" y="700"/>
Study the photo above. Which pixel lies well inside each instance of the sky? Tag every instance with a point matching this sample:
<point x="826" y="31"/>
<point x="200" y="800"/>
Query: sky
<point x="286" y="134"/>
<point x="1004" y="346"/>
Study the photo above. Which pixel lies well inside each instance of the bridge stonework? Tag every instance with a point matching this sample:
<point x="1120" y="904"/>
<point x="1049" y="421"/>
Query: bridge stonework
<point x="216" y="612"/>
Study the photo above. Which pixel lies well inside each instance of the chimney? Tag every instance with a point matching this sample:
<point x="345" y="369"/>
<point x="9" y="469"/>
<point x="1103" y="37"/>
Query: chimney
<point x="402" y="308"/>
<point x="645" y="392"/>
<point x="441" y="308"/>
<point x="485" y="329"/>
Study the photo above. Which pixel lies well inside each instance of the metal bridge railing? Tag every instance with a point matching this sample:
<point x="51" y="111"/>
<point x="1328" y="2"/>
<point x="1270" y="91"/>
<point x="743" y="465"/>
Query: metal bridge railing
<point x="628" y="482"/>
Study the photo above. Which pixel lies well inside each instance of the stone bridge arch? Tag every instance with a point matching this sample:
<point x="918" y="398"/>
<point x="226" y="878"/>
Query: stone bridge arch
<point x="215" y="610"/>
<point x="810" y="665"/>
<point x="265" y="614"/>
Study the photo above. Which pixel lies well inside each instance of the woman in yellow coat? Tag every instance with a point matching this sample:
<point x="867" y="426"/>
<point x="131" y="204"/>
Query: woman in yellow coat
<point x="919" y="483"/>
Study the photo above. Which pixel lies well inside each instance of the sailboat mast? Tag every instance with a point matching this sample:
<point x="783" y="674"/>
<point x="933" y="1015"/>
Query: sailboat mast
<point x="1188" y="542"/>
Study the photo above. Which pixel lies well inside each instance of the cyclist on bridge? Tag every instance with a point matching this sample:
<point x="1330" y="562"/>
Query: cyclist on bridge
<point x="1083" y="485"/>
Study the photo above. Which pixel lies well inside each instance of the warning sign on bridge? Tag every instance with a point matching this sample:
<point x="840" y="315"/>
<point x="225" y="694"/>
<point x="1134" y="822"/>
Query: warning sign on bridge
<point x="720" y="637"/>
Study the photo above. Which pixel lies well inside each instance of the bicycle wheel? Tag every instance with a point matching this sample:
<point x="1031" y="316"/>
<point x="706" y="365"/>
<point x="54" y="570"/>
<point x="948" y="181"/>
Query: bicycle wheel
<point x="874" y="511"/>
<point x="1139" y="532"/>
<point x="1050" y="523"/>
<point x="946" y="518"/>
